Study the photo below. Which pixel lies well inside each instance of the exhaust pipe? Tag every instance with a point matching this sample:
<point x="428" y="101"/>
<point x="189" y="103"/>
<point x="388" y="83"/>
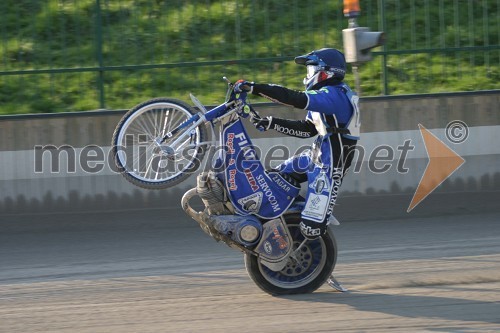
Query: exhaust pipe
<point x="197" y="216"/>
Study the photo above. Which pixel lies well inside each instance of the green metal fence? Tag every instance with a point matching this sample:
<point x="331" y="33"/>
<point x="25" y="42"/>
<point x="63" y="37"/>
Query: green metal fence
<point x="64" y="55"/>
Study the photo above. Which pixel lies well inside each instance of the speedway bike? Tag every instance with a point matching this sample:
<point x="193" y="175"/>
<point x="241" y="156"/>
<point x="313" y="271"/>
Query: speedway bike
<point x="163" y="141"/>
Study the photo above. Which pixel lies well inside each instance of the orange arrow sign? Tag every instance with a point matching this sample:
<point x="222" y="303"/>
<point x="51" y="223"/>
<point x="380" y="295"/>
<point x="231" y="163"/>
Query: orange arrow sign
<point x="443" y="162"/>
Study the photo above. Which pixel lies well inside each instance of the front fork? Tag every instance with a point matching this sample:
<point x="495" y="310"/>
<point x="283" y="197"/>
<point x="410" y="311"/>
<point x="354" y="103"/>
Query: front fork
<point x="189" y="126"/>
<point x="171" y="148"/>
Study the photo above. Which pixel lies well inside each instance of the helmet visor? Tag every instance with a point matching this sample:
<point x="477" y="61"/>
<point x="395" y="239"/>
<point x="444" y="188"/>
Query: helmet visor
<point x="311" y="70"/>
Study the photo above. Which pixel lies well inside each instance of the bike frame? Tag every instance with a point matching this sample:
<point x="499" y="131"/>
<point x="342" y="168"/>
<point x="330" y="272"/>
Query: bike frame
<point x="214" y="115"/>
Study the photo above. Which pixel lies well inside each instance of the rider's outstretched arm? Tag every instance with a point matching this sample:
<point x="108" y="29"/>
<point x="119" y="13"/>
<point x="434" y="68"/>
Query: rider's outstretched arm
<point x="281" y="95"/>
<point x="329" y="100"/>
<point x="276" y="93"/>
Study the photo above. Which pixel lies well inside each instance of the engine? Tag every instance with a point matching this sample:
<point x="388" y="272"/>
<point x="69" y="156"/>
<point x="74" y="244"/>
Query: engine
<point x="245" y="230"/>
<point x="213" y="194"/>
<point x="271" y="240"/>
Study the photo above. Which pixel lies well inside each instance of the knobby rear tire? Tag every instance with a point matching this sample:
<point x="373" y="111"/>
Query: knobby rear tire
<point x="313" y="277"/>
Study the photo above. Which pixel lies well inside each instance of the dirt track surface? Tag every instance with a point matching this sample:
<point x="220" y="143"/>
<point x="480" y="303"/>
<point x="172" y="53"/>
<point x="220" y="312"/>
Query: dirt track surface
<point x="155" y="271"/>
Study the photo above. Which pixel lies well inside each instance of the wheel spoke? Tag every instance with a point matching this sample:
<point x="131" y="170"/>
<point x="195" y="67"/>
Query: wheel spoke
<point x="165" y="122"/>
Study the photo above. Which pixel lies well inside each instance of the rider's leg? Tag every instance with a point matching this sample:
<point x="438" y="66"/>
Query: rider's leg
<point x="324" y="184"/>
<point x="296" y="167"/>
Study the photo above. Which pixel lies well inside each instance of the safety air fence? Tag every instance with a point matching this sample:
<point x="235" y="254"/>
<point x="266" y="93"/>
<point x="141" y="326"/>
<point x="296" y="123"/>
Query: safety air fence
<point x="61" y="162"/>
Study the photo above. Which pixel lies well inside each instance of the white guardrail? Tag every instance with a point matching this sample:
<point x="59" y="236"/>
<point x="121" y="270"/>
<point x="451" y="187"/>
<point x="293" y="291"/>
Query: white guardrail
<point x="32" y="173"/>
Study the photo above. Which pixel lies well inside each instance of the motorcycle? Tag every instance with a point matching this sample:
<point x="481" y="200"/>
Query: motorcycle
<point x="161" y="142"/>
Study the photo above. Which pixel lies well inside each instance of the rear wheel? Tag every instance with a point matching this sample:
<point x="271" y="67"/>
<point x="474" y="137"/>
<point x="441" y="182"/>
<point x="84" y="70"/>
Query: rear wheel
<point x="140" y="157"/>
<point x="305" y="273"/>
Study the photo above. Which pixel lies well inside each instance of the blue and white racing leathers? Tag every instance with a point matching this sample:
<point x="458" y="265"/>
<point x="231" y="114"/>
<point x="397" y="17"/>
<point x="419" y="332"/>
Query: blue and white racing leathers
<point x="332" y="114"/>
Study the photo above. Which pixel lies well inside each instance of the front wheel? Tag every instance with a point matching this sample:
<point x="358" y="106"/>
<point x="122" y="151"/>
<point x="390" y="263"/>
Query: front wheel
<point x="142" y="158"/>
<point x="310" y="269"/>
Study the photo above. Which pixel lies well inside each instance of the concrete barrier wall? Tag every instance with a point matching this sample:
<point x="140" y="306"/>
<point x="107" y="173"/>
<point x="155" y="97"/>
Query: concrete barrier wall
<point x="386" y="121"/>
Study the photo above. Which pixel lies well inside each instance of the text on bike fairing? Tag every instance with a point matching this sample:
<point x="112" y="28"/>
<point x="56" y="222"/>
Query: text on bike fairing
<point x="251" y="180"/>
<point x="268" y="193"/>
<point x="232" y="180"/>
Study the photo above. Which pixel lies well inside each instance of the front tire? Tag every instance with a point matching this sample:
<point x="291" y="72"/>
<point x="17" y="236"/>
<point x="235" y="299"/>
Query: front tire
<point x="316" y="261"/>
<point x="139" y="157"/>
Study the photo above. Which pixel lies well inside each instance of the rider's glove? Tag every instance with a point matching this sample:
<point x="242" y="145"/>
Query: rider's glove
<point x="312" y="230"/>
<point x="262" y="124"/>
<point x="243" y="86"/>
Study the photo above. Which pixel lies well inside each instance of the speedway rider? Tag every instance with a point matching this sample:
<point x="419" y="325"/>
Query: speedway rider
<point x="333" y="115"/>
